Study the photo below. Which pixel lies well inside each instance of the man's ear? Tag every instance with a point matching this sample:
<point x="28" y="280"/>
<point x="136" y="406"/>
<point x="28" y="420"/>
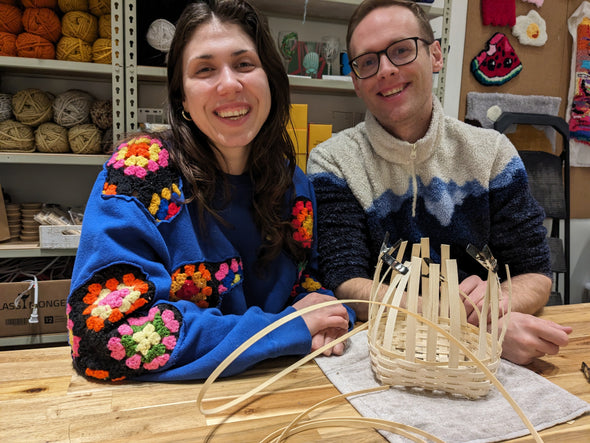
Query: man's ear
<point x="436" y="56"/>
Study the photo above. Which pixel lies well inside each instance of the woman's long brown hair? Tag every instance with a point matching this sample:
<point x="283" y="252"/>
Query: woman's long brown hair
<point x="271" y="163"/>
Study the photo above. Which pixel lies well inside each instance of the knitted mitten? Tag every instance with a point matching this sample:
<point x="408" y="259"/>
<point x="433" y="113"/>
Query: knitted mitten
<point x="498" y="12"/>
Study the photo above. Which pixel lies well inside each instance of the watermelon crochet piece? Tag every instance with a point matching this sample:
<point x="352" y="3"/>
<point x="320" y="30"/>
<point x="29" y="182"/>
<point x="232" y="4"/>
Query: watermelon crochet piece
<point x="498" y="63"/>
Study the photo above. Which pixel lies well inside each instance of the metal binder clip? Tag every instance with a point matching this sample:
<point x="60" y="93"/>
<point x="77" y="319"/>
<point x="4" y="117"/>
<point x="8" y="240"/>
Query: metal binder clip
<point x="388" y="258"/>
<point x="484" y="257"/>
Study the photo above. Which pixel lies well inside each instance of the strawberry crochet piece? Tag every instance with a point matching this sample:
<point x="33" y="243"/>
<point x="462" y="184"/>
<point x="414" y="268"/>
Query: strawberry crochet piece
<point x="498" y="12"/>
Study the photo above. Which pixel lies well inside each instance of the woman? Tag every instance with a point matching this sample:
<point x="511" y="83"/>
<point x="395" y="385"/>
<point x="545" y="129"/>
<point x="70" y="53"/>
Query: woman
<point x="195" y="239"/>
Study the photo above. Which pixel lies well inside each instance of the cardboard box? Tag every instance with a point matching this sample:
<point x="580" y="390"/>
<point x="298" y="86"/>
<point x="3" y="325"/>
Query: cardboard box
<point x="59" y="236"/>
<point x="14" y="320"/>
<point x="301" y="160"/>
<point x="317" y="134"/>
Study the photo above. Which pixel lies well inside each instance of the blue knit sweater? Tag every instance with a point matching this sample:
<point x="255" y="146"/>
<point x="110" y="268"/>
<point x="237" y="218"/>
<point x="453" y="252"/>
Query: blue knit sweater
<point x="457" y="185"/>
<point x="155" y="298"/>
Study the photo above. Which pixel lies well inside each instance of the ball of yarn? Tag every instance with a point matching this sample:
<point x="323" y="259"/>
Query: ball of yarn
<point x="34" y="46"/>
<point x="101" y="51"/>
<point x="32" y="106"/>
<point x="7" y="44"/>
<point x="159" y="34"/>
<point x="73" y="49"/>
<point x="52" y="4"/>
<point x="107" y="141"/>
<point x="72" y="108"/>
<point x="15" y="136"/>
<point x="51" y="137"/>
<point x="72" y="5"/>
<point x="104" y="26"/>
<point x="10" y="19"/>
<point x="5" y="107"/>
<point x="101" y="113"/>
<point x="80" y="24"/>
<point x="8" y="2"/>
<point x="85" y="139"/>
<point x="43" y="22"/>
<point x="99" y="7"/>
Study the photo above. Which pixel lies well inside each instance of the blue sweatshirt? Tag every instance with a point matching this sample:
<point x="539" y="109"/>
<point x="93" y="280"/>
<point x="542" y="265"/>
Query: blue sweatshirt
<point x="156" y="297"/>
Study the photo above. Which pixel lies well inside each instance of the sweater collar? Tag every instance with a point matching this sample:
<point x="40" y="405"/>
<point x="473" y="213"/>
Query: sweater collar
<point x="399" y="151"/>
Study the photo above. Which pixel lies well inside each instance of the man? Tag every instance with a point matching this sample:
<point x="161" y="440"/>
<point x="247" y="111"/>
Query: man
<point x="413" y="172"/>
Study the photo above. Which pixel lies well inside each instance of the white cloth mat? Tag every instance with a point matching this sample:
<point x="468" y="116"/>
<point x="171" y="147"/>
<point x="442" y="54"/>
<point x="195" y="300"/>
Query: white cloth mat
<point x="448" y="417"/>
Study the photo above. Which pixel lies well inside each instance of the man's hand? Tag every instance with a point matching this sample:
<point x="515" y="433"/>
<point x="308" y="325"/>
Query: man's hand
<point x="325" y="324"/>
<point x="530" y="337"/>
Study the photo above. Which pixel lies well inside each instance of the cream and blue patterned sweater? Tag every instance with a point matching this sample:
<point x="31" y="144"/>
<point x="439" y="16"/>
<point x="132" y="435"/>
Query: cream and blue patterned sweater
<point x="457" y="185"/>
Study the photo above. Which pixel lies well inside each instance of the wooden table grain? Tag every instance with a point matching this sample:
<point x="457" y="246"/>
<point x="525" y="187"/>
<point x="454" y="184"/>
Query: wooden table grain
<point x="42" y="399"/>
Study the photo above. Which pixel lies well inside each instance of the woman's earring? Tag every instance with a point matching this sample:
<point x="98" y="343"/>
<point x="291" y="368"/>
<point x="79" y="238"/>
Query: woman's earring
<point x="185" y="116"/>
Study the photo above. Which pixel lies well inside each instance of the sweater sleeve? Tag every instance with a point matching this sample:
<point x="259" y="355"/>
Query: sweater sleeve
<point x="343" y="240"/>
<point x="517" y="237"/>
<point x="126" y="317"/>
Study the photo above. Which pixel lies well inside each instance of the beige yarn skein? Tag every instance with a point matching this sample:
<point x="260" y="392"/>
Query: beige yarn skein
<point x="32" y="106"/>
<point x="51" y="137"/>
<point x="85" y="139"/>
<point x="16" y="136"/>
<point x="72" y="108"/>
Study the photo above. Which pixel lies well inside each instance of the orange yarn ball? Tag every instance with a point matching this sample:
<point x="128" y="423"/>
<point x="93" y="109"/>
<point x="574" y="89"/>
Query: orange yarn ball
<point x="72" y="5"/>
<point x="43" y="22"/>
<point x="73" y="49"/>
<point x="80" y="24"/>
<point x="7" y="44"/>
<point x="10" y="19"/>
<point x="104" y="26"/>
<point x="101" y="51"/>
<point x="39" y="3"/>
<point x="34" y="46"/>
<point x="8" y="2"/>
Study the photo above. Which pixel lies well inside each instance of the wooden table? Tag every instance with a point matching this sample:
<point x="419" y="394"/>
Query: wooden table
<point x="42" y="399"/>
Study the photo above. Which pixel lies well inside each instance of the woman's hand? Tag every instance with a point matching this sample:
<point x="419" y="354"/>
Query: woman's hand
<point x="325" y="324"/>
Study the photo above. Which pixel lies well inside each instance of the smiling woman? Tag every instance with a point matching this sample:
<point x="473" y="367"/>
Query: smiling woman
<point x="196" y="238"/>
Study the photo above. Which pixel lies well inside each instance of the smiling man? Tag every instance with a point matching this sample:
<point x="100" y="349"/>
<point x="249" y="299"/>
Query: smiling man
<point x="413" y="172"/>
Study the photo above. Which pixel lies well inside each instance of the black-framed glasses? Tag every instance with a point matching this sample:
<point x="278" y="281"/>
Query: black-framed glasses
<point x="586" y="371"/>
<point x="399" y="53"/>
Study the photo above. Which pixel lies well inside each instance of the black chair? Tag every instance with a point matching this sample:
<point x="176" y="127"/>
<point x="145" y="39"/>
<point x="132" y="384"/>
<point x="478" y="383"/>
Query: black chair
<point x="549" y="182"/>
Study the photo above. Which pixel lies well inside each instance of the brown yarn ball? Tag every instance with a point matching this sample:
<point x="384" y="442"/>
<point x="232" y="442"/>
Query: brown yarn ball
<point x="15" y="136"/>
<point x="72" y="5"/>
<point x="8" y="2"/>
<point x="5" y="107"/>
<point x="73" y="49"/>
<point x="101" y="113"/>
<point x="10" y="19"/>
<point x="107" y="141"/>
<point x="99" y="7"/>
<point x="32" y="106"/>
<point x="7" y="44"/>
<point x="80" y="24"/>
<point x="51" y="137"/>
<point x="52" y="4"/>
<point x="43" y="22"/>
<point x="101" y="51"/>
<point x="85" y="139"/>
<point x="34" y="46"/>
<point x="104" y="26"/>
<point x="72" y="108"/>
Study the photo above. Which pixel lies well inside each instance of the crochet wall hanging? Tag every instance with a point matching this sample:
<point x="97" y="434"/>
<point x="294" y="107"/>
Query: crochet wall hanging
<point x="498" y="12"/>
<point x="530" y="29"/>
<point x="578" y="108"/>
<point x="497" y="63"/>
<point x="436" y="350"/>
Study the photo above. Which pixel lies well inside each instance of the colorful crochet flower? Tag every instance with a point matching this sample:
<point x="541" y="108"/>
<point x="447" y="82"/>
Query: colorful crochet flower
<point x="113" y="300"/>
<point x="302" y="221"/>
<point x="190" y="283"/>
<point x="228" y="275"/>
<point x="146" y="342"/>
<point x="306" y="285"/>
<point x="165" y="205"/>
<point x="139" y="156"/>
